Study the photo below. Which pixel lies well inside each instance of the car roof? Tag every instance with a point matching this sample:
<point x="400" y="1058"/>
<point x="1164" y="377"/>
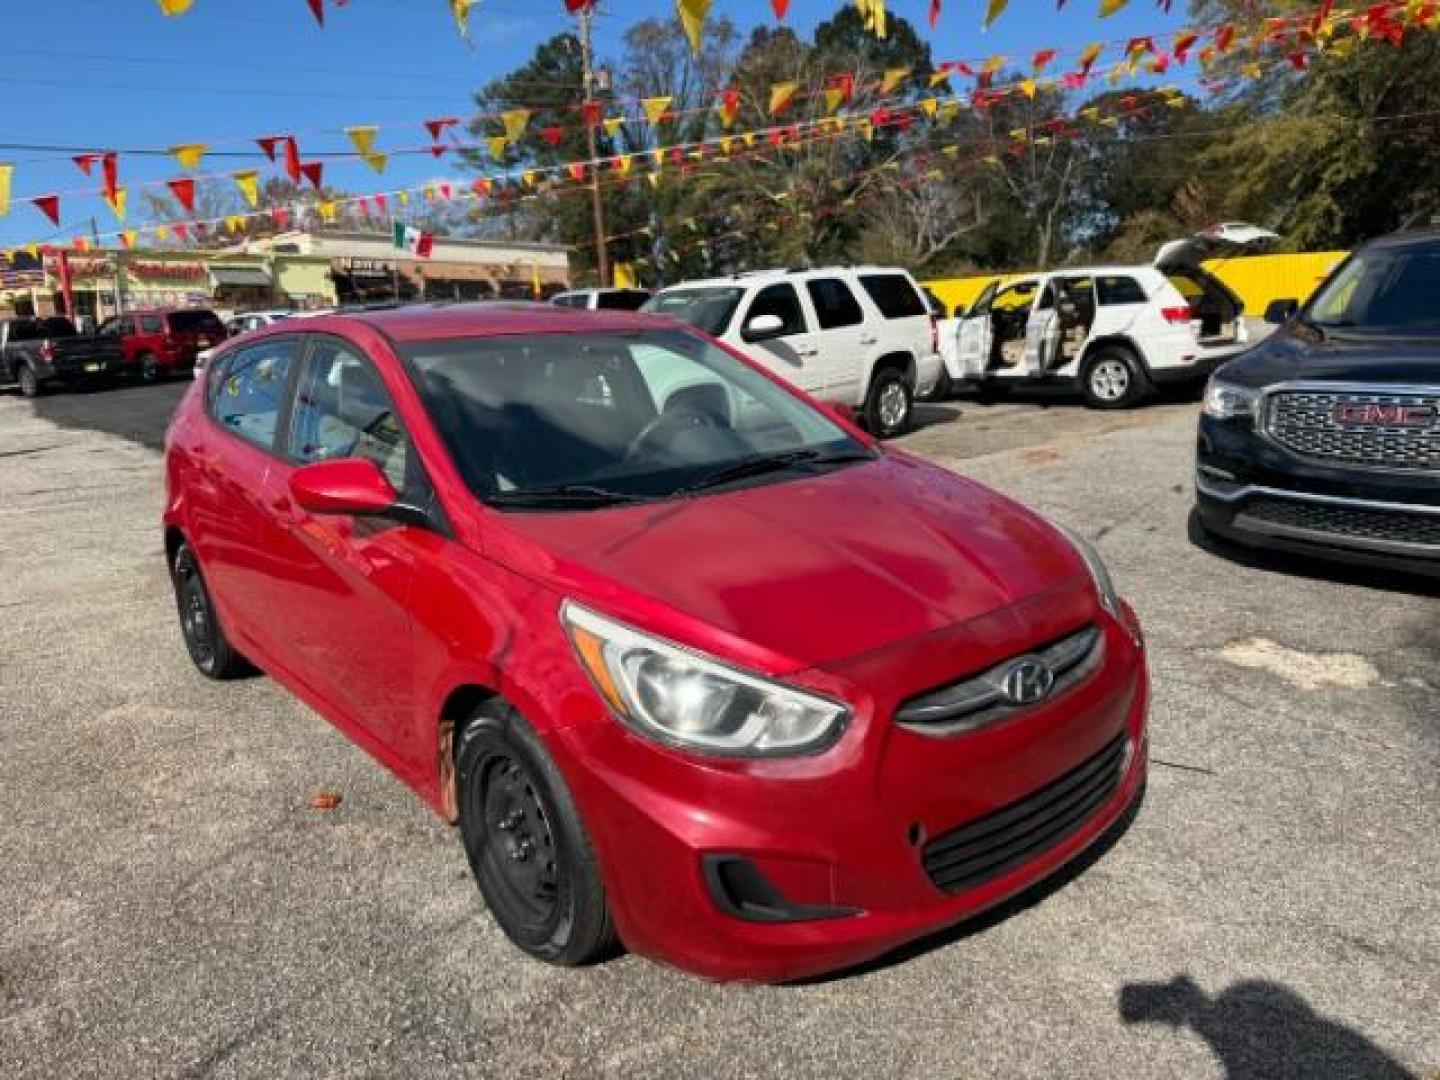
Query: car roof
<point x="488" y="318"/>
<point x="752" y="277"/>
<point x="1415" y="237"/>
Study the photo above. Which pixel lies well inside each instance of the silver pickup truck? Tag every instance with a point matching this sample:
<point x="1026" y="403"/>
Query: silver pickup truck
<point x="36" y="353"/>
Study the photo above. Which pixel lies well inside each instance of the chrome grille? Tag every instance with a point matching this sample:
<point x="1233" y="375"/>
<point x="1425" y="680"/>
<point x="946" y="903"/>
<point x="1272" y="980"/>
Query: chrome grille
<point x="1304" y="421"/>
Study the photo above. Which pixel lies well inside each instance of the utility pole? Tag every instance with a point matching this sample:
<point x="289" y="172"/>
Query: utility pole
<point x="587" y="59"/>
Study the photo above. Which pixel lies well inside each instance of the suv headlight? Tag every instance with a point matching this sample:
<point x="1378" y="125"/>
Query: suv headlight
<point x="1099" y="572"/>
<point x="679" y="697"/>
<point x="1224" y="401"/>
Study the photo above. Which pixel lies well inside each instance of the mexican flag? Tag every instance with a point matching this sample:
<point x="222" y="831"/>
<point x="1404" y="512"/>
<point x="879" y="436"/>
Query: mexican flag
<point x="417" y="243"/>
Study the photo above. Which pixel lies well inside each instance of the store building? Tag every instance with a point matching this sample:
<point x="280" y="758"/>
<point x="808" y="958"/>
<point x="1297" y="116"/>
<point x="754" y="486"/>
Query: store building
<point x="367" y="266"/>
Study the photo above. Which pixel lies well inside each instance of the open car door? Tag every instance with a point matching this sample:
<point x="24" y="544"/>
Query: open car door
<point x="1042" y="333"/>
<point x="977" y="335"/>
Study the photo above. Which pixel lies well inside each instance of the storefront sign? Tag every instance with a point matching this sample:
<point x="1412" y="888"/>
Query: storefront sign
<point x="366" y="268"/>
<point x="168" y="271"/>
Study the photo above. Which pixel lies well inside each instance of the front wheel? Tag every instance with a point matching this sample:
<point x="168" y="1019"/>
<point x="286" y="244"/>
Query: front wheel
<point x="1112" y="379"/>
<point x="526" y="844"/>
<point x="889" y="404"/>
<point x="29" y="381"/>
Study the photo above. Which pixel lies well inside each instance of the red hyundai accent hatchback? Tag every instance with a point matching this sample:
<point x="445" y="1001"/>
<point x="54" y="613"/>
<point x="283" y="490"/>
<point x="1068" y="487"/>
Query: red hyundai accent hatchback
<point x="693" y="662"/>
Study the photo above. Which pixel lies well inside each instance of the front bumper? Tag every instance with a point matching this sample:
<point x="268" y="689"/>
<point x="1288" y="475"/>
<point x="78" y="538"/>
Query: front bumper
<point x="840" y="837"/>
<point x="1253" y="492"/>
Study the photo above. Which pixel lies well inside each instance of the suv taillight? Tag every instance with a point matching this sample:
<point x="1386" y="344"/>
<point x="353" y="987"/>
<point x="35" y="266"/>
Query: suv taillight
<point x="1177" y="314"/>
<point x="934" y="333"/>
<point x="47" y="351"/>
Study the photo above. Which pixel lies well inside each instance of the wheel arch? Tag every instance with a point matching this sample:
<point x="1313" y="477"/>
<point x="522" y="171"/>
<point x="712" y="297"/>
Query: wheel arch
<point x="459" y="704"/>
<point x="1121" y="341"/>
<point x="174" y="539"/>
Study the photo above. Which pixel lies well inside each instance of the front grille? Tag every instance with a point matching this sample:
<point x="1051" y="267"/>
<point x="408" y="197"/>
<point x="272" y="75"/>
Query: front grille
<point x="1360" y="523"/>
<point x="978" y="700"/>
<point x="1304" y="421"/>
<point x="997" y="843"/>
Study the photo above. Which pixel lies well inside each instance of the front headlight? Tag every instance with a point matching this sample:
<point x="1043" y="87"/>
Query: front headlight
<point x="1224" y="401"/>
<point x="687" y="700"/>
<point x="1099" y="572"/>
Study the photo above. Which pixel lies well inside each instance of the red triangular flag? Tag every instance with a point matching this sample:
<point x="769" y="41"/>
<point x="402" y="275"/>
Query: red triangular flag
<point x="934" y="13"/>
<point x="280" y="216"/>
<point x="268" y="144"/>
<point x="49" y="205"/>
<point x="85" y="162"/>
<point x="292" y="160"/>
<point x="781" y="7"/>
<point x="380" y="202"/>
<point x="591" y="113"/>
<point x="314" y="171"/>
<point x="446" y="192"/>
<point x="180" y="230"/>
<point x="552" y="134"/>
<point x="317" y="8"/>
<point x="364" y="205"/>
<point x="438" y="150"/>
<point x="577" y="171"/>
<point x="184" y="191"/>
<point x="437" y="127"/>
<point x="111" y="164"/>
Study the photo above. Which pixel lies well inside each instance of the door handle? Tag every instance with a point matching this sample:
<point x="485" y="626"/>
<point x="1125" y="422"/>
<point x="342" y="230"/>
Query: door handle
<point x="868" y="339"/>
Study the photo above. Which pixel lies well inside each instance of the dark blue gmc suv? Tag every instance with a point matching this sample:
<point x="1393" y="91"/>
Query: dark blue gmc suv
<point x="1325" y="439"/>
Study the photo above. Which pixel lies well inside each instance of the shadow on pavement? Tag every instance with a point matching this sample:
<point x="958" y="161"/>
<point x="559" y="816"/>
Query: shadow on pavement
<point x="137" y="413"/>
<point x="1260" y="1029"/>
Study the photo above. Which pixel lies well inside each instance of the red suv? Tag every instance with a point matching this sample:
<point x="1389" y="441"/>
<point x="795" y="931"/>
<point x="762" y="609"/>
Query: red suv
<point x="164" y="342"/>
<point x="693" y="662"/>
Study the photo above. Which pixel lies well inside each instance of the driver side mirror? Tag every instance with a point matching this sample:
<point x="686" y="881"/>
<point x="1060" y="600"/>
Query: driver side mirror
<point x="1281" y="311"/>
<point x="764" y="327"/>
<point x="348" y="486"/>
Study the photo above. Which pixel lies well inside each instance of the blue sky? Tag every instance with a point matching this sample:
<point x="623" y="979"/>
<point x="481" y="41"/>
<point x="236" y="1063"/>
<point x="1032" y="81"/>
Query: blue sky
<point x="114" y="73"/>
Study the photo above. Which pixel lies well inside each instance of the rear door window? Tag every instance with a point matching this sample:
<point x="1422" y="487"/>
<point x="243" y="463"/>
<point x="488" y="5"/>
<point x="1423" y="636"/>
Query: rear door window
<point x="151" y="324"/>
<point x="781" y="300"/>
<point x="195" y="322"/>
<point x="622" y="300"/>
<point x="1113" y="290"/>
<point x="893" y="295"/>
<point x="835" y="305"/>
<point x="250" y="394"/>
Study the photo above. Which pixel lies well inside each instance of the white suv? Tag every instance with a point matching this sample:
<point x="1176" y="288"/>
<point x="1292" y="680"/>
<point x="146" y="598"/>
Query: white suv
<point x="856" y="336"/>
<point x="1116" y="331"/>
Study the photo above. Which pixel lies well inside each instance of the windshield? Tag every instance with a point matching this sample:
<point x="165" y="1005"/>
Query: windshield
<point x="1388" y="289"/>
<point x="565" y="421"/>
<point x="182" y="322"/>
<point x="709" y="310"/>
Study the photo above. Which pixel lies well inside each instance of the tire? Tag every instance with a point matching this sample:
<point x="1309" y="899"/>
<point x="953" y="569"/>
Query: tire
<point x="210" y="651"/>
<point x="890" y="404"/>
<point x="1112" y="378"/>
<point x="149" y="368"/>
<point x="30" y="385"/>
<point x="526" y="844"/>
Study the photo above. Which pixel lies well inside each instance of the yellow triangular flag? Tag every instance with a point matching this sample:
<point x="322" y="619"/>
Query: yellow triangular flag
<point x="119" y="202"/>
<point x="249" y="184"/>
<point x="939" y="77"/>
<point x="1027" y="87"/>
<point x="692" y="17"/>
<point x="726" y="143"/>
<point x="377" y="161"/>
<point x="1090" y="54"/>
<point x="623" y="164"/>
<point x="749" y="138"/>
<point x="175" y="7"/>
<point x="613" y="126"/>
<point x="33" y="250"/>
<point x="235" y="224"/>
<point x="461" y="10"/>
<point x="363" y="137"/>
<point x="930" y="106"/>
<point x="128" y="237"/>
<point x="892" y="78"/>
<point x="781" y="94"/>
<point x="328" y="210"/>
<point x="189" y="154"/>
<point x="403" y="197"/>
<point x="515" y="121"/>
<point x="872" y="16"/>
<point x="655" y="107"/>
<point x="949" y="110"/>
<point x="528" y="177"/>
<point x="496" y="144"/>
<point x="7" y="173"/>
<point x="834" y="95"/>
<point x="1109" y="7"/>
<point x="162" y="233"/>
<point x="993" y="10"/>
<point x="994" y="64"/>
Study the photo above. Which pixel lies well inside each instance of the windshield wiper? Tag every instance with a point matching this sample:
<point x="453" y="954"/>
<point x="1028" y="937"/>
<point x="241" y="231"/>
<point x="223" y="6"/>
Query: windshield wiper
<point x="761" y="464"/>
<point x="563" y="497"/>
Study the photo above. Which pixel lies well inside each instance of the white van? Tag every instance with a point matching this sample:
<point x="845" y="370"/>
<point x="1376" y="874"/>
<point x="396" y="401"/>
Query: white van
<point x="857" y="336"/>
<point x="1115" y="331"/>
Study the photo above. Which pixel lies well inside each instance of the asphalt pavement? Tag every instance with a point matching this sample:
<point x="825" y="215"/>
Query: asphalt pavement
<point x="170" y="905"/>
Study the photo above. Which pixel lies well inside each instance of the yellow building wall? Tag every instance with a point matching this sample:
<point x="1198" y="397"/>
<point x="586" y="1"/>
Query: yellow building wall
<point x="1256" y="279"/>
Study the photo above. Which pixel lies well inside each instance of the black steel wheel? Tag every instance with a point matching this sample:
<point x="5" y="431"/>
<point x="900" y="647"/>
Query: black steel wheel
<point x="205" y="641"/>
<point x="526" y="844"/>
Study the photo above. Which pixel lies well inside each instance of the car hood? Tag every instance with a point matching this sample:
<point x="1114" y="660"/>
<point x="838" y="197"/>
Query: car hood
<point x="805" y="572"/>
<point x="1299" y="354"/>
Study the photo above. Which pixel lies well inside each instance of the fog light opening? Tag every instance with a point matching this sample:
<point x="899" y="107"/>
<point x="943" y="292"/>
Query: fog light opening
<point x="915" y="834"/>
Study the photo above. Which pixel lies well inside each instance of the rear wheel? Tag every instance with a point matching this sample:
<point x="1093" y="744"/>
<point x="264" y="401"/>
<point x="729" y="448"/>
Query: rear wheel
<point x="526" y="844"/>
<point x="889" y="404"/>
<point x="209" y="649"/>
<point x="29" y="381"/>
<point x="1113" y="379"/>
